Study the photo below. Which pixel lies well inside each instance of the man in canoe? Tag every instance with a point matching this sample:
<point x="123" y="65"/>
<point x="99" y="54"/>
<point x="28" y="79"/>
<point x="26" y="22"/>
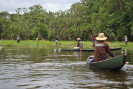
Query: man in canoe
<point x="80" y="45"/>
<point x="101" y="48"/>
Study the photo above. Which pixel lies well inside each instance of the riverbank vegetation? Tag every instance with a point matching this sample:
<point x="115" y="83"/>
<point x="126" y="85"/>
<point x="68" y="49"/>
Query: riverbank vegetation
<point x="61" y="44"/>
<point x="83" y="19"/>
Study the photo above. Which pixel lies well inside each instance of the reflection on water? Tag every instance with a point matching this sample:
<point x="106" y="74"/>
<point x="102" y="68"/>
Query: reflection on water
<point x="43" y="68"/>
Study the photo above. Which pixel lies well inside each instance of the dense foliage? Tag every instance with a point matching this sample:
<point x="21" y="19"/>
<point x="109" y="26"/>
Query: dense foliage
<point x="83" y="19"/>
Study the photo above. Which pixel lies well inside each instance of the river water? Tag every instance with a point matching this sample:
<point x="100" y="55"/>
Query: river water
<point x="46" y="68"/>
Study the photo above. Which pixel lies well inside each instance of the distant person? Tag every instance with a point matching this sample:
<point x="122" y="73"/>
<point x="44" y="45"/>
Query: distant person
<point x="18" y="39"/>
<point x="93" y="40"/>
<point x="101" y="48"/>
<point x="126" y="40"/>
<point x="37" y="39"/>
<point x="80" y="45"/>
<point x="56" y="40"/>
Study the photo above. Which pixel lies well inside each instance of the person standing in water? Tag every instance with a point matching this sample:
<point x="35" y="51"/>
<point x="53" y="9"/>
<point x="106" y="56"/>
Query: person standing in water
<point x="80" y="45"/>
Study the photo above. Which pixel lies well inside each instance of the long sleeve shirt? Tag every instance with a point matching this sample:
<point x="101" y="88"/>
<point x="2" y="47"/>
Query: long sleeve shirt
<point x="100" y="51"/>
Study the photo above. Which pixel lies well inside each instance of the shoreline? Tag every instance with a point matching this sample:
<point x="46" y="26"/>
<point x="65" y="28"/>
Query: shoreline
<point x="61" y="44"/>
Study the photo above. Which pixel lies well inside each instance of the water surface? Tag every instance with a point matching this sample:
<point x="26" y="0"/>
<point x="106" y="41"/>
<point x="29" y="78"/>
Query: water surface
<point x="46" y="68"/>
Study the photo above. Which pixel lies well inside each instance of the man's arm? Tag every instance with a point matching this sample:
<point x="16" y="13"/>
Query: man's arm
<point x="109" y="51"/>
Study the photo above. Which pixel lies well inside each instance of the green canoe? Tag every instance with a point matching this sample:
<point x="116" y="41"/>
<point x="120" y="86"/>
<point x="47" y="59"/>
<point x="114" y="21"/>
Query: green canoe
<point x="115" y="63"/>
<point x="91" y="50"/>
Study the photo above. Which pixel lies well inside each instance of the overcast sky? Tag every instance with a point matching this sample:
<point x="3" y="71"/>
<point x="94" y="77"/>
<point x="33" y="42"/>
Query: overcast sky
<point x="49" y="5"/>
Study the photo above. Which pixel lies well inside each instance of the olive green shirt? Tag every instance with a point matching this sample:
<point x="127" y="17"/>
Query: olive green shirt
<point x="80" y="45"/>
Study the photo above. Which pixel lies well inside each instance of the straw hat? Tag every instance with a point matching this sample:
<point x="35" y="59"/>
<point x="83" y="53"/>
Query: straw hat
<point x="78" y="38"/>
<point x="101" y="37"/>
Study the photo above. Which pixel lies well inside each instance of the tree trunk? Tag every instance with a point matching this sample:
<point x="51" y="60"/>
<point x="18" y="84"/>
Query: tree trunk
<point x="120" y="6"/>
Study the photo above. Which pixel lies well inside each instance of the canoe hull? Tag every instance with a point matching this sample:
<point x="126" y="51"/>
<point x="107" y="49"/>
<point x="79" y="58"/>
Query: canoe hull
<point x="110" y="64"/>
<point x="90" y="50"/>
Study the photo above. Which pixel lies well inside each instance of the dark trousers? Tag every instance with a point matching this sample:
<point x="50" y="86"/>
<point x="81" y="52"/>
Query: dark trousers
<point x="18" y="41"/>
<point x="92" y="60"/>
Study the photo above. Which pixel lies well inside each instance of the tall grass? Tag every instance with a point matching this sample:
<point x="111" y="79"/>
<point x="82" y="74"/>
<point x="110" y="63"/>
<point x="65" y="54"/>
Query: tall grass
<point x="61" y="44"/>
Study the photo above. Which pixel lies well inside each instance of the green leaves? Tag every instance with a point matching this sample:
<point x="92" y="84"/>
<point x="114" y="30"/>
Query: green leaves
<point x="84" y="18"/>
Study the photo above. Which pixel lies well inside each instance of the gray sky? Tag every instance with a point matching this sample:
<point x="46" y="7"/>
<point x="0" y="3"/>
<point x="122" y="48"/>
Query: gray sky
<point x="49" y="5"/>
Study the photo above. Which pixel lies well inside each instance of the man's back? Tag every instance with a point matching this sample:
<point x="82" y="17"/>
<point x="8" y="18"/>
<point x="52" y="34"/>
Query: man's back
<point x="18" y="38"/>
<point x="80" y="45"/>
<point x="100" y="51"/>
<point x="56" y="38"/>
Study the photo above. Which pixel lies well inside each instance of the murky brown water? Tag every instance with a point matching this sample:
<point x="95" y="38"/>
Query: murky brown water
<point x="29" y="68"/>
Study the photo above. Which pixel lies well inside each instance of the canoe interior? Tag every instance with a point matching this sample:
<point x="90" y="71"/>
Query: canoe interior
<point x="110" y="64"/>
